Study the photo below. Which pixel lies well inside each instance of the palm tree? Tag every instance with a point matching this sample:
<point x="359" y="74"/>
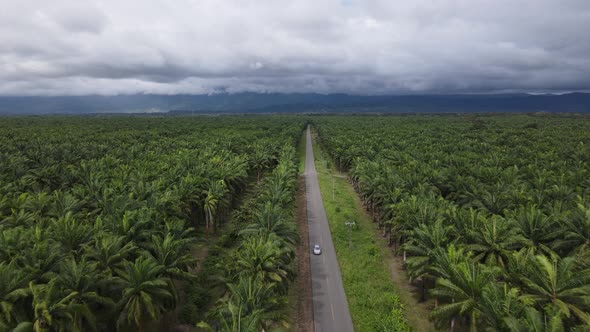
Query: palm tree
<point x="189" y="189"/>
<point x="13" y="288"/>
<point x="495" y="199"/>
<point x="214" y="200"/>
<point x="535" y="321"/>
<point x="63" y="204"/>
<point x="235" y="172"/>
<point x="233" y="318"/>
<point x="173" y="254"/>
<point x="13" y="241"/>
<point x="135" y="225"/>
<point x="20" y="217"/>
<point x="41" y="260"/>
<point x="38" y="203"/>
<point x="165" y="204"/>
<point x="260" y="159"/>
<point x="557" y="283"/>
<point x="493" y="241"/>
<point x="271" y="219"/>
<point x="408" y="214"/>
<point x="250" y="305"/>
<point x="463" y="291"/>
<point x="423" y="240"/>
<point x="576" y="237"/>
<point x="265" y="258"/>
<point x="444" y="260"/>
<point x="145" y="292"/>
<point x="83" y="279"/>
<point x="71" y="233"/>
<point x="500" y="303"/>
<point x="276" y="193"/>
<point x="109" y="252"/>
<point x="53" y="310"/>
<point x="537" y="227"/>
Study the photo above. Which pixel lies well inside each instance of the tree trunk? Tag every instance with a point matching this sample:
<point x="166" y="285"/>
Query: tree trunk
<point x="207" y="214"/>
<point x="473" y="326"/>
<point x="211" y="221"/>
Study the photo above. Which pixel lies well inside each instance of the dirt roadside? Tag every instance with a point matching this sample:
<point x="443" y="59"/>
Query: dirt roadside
<point x="304" y="319"/>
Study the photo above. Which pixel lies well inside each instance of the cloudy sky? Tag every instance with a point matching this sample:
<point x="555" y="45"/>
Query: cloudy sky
<point x="62" y="47"/>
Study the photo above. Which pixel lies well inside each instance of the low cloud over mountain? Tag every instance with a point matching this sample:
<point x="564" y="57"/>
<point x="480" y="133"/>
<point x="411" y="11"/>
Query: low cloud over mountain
<point x="361" y="47"/>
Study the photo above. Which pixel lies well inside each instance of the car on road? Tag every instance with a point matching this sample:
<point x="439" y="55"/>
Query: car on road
<point x="317" y="250"/>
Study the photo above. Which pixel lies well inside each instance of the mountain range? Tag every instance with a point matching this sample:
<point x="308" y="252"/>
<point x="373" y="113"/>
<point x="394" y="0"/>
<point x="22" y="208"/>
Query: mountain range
<point x="296" y="102"/>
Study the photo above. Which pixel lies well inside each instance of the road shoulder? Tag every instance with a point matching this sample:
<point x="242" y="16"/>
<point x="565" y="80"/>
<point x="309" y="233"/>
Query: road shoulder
<point x="303" y="313"/>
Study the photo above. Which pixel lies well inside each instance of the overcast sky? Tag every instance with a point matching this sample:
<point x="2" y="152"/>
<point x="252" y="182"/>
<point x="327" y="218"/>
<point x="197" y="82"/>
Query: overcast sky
<point x="63" y="47"/>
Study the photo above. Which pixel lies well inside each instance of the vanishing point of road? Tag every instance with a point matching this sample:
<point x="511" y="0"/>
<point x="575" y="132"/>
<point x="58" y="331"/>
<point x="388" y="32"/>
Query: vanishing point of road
<point x="330" y="309"/>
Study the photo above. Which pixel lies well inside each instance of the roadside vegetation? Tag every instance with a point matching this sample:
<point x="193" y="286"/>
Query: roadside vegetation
<point x="491" y="213"/>
<point x="100" y="218"/>
<point x="371" y="296"/>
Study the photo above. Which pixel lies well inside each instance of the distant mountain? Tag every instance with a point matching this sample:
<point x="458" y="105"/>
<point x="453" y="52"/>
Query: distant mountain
<point x="286" y="103"/>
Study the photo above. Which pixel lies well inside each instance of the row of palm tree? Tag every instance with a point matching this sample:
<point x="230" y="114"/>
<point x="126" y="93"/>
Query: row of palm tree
<point x="256" y="284"/>
<point x="98" y="216"/>
<point x="493" y="221"/>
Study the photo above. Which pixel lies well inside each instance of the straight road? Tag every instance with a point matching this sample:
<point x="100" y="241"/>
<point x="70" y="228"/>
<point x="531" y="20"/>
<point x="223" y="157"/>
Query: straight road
<point x="330" y="309"/>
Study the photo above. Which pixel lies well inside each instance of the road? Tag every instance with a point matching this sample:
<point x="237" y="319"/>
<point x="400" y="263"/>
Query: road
<point x="330" y="308"/>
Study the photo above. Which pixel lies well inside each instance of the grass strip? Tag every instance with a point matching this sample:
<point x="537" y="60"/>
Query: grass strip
<point x="371" y="295"/>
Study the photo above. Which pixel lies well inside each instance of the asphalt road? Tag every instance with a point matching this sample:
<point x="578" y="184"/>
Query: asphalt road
<point x="330" y="309"/>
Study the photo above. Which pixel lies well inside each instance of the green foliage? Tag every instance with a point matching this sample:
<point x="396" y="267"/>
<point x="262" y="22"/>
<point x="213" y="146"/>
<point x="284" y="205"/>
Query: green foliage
<point x="372" y="299"/>
<point x="99" y="215"/>
<point x="257" y="273"/>
<point x="494" y="208"/>
<point x="146" y="292"/>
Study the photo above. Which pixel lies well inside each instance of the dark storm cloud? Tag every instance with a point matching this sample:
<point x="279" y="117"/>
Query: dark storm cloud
<point x="367" y="47"/>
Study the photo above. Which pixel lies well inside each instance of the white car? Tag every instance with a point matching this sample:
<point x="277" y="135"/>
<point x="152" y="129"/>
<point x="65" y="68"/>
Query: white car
<point x="317" y="250"/>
